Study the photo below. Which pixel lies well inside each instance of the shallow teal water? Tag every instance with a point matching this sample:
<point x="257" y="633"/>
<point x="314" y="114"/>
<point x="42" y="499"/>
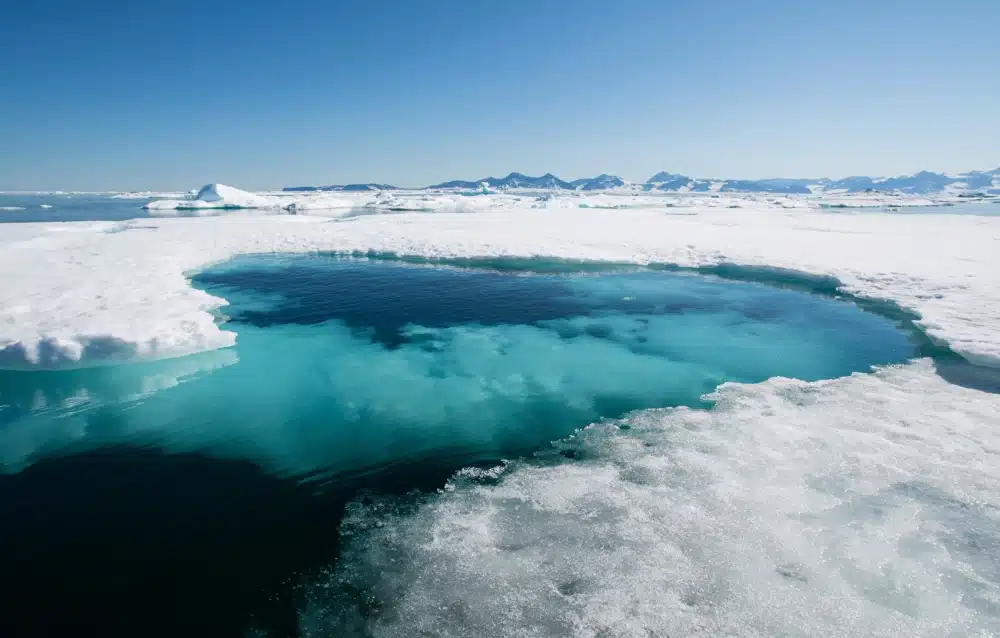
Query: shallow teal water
<point x="221" y="477"/>
<point x="343" y="365"/>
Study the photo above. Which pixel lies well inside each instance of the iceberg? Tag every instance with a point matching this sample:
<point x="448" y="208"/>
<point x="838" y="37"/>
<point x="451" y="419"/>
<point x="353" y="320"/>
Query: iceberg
<point x="215" y="197"/>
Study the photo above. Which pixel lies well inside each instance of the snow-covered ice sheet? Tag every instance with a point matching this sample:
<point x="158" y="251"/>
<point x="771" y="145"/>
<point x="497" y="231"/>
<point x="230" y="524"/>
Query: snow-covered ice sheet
<point x="84" y="293"/>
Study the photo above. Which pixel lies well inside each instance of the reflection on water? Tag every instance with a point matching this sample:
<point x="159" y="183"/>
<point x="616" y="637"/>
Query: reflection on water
<point x="57" y="410"/>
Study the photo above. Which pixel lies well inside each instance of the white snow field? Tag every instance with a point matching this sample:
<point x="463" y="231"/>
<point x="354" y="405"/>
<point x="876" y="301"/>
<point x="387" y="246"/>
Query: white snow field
<point x="861" y="506"/>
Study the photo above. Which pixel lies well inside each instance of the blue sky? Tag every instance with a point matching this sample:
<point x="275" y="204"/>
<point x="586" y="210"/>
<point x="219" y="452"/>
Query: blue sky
<point x="130" y="95"/>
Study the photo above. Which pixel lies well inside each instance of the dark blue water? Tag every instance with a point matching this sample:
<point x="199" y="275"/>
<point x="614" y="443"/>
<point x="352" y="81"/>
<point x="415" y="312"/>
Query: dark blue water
<point x="68" y="208"/>
<point x="187" y="497"/>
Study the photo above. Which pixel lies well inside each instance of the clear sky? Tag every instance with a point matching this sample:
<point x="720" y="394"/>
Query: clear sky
<point x="173" y="94"/>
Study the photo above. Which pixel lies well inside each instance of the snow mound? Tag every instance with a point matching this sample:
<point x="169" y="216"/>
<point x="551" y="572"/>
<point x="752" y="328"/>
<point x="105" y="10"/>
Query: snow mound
<point x="215" y="196"/>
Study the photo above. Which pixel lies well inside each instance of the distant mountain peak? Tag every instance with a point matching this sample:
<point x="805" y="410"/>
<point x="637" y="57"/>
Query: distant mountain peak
<point x="663" y="176"/>
<point x="603" y="181"/>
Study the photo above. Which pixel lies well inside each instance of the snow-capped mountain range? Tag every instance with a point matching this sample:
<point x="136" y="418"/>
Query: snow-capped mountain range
<point x="920" y="183"/>
<point x="924" y="182"/>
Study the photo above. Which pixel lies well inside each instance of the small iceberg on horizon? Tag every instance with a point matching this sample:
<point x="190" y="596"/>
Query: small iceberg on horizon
<point x="213" y="197"/>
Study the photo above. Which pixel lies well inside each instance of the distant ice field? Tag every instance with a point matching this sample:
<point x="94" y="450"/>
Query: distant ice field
<point x="28" y="207"/>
